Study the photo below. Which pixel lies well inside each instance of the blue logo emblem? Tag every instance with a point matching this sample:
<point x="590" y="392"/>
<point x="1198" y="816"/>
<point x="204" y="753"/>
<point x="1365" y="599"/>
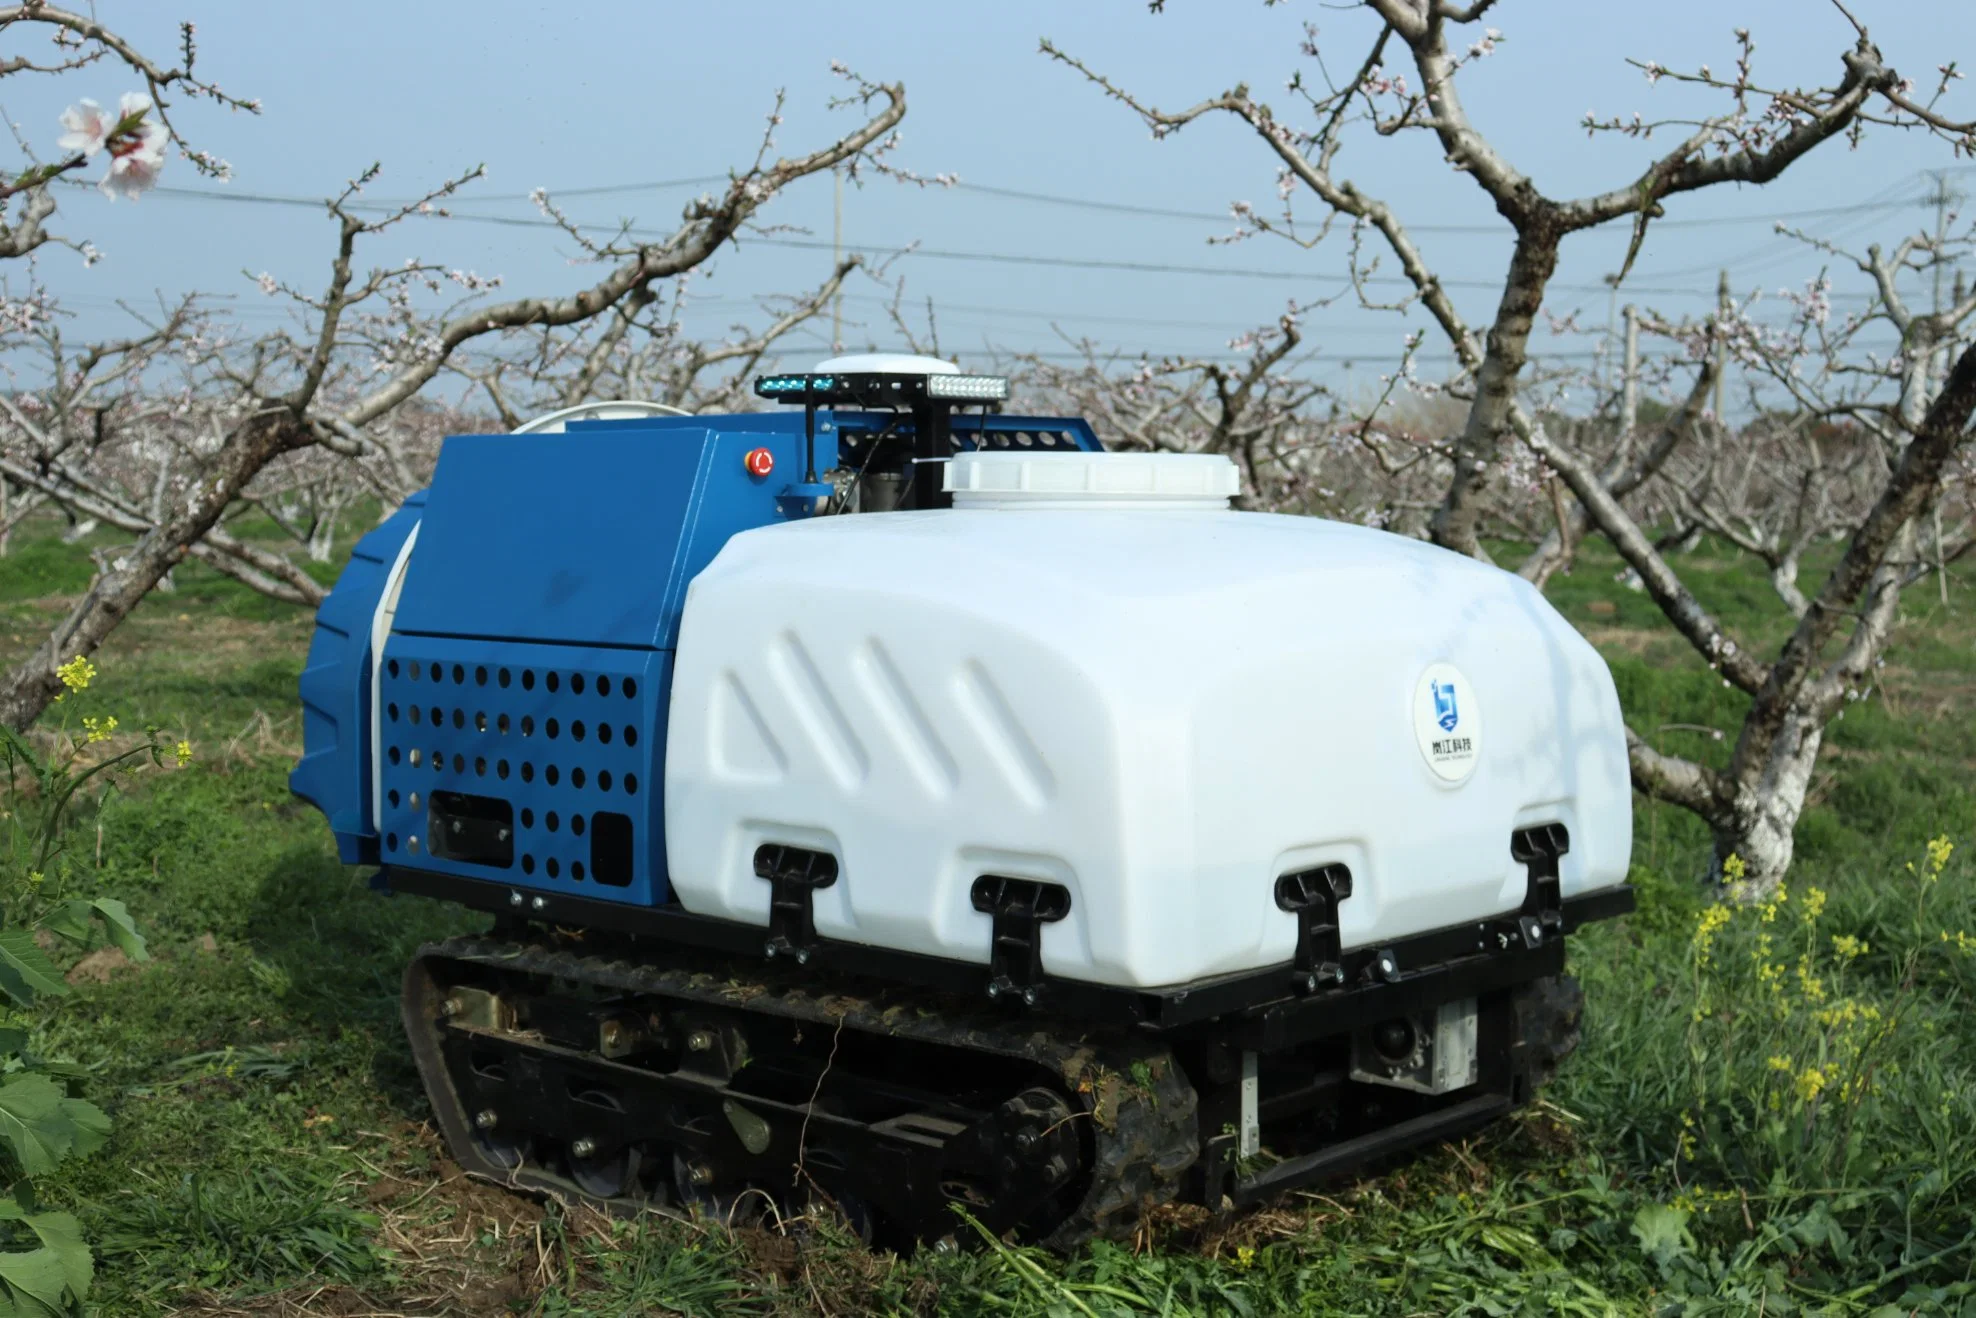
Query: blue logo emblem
<point x="1445" y="712"/>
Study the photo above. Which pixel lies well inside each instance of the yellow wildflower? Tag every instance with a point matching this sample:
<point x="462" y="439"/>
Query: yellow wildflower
<point x="1733" y="869"/>
<point x="1245" y="1255"/>
<point x="1939" y="851"/>
<point x="35" y="878"/>
<point x="1780" y="1063"/>
<point x="1809" y="984"/>
<point x="1814" y="904"/>
<point x="75" y="674"/>
<point x="98" y="729"/>
<point x="1810" y="1082"/>
<point x="1770" y="908"/>
<point x="1848" y="947"/>
<point x="1710" y="923"/>
<point x="182" y="753"/>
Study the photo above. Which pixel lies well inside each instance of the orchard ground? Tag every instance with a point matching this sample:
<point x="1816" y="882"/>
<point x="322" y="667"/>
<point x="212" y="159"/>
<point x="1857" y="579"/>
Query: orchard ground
<point x="1772" y="1114"/>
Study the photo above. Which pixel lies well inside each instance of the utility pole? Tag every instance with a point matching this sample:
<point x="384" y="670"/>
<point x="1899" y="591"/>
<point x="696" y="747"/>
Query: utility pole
<point x="1721" y="340"/>
<point x="1629" y="385"/>
<point x="837" y="262"/>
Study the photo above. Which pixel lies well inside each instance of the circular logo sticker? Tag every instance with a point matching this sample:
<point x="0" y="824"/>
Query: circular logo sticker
<point x="1447" y="722"/>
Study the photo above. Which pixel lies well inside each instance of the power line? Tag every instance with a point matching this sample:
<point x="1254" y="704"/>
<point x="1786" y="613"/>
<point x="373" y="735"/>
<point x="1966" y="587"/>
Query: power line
<point x="938" y="254"/>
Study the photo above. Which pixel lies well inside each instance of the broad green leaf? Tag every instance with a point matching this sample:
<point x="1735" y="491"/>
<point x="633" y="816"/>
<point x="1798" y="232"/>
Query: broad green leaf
<point x="25" y="969"/>
<point x="92" y="1125"/>
<point x="1661" y="1230"/>
<point x="33" y="1123"/>
<point x="39" y="1273"/>
<point x="61" y="1233"/>
<point x="123" y="930"/>
<point x="12" y="1041"/>
<point x="71" y="920"/>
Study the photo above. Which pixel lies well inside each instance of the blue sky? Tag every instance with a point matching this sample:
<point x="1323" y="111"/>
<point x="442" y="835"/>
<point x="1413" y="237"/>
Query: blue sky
<point x="615" y="92"/>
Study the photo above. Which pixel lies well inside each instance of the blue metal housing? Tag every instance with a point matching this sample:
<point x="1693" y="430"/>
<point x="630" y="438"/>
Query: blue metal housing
<point x="526" y="675"/>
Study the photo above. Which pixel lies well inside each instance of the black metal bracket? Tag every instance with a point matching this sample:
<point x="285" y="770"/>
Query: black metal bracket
<point x="1313" y="896"/>
<point x="1538" y="849"/>
<point x="794" y="874"/>
<point x="1020" y="908"/>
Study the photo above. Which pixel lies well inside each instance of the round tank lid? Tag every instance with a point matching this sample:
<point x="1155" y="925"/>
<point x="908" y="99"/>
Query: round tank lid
<point x="885" y="363"/>
<point x="1000" y="479"/>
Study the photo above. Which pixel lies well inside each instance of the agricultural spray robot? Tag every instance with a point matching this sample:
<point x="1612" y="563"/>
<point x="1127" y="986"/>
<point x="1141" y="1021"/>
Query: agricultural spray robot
<point x="886" y="801"/>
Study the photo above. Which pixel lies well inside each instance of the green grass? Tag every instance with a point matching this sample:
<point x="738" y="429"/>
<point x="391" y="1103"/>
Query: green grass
<point x="271" y="1153"/>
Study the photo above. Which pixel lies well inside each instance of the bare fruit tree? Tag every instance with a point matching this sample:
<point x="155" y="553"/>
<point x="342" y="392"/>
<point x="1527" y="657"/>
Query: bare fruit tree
<point x="364" y="352"/>
<point x="1757" y="133"/>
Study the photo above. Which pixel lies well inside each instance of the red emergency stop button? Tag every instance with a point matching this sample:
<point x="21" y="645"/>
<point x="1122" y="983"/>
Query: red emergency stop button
<point x="759" y="462"/>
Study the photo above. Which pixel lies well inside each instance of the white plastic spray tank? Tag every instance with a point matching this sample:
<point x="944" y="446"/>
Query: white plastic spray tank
<point x="1092" y="672"/>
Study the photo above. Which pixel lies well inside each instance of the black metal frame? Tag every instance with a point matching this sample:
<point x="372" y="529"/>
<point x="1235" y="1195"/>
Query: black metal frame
<point x="1275" y="1006"/>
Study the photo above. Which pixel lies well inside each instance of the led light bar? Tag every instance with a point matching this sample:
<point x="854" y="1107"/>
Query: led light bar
<point x="968" y="388"/>
<point x="778" y="386"/>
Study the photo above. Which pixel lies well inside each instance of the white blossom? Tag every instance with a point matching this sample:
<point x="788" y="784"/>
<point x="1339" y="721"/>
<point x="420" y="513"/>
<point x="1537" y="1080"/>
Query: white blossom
<point x="89" y="126"/>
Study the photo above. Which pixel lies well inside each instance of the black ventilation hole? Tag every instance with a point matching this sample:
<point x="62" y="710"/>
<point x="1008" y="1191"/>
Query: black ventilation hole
<point x="392" y="797"/>
<point x="392" y="668"/>
<point x="528" y="864"/>
<point x="576" y="729"/>
<point x="604" y="733"/>
<point x="501" y="768"/>
<point x="527" y="817"/>
<point x="630" y="688"/>
<point x="439" y="761"/>
<point x="392" y="711"/>
<point x="603" y="780"/>
<point x="576" y="825"/>
<point x="414" y="670"/>
<point x="603" y="686"/>
<point x="437" y="715"/>
<point x="480" y="677"/>
<point x="630" y="735"/>
<point x="501" y="725"/>
<point x="528" y="679"/>
<point x="549" y="775"/>
<point x="553" y="868"/>
<point x="391" y="841"/>
<point x="576" y="683"/>
<point x="459" y="675"/>
<point x="412" y="712"/>
<point x="551" y="681"/>
<point x="459" y="718"/>
<point x="503" y="677"/>
<point x="630" y="784"/>
<point x="394" y="754"/>
<point x="576" y="869"/>
<point x="576" y="776"/>
<point x="479" y="767"/>
<point x="527" y="772"/>
<point x="552" y="728"/>
<point x="527" y="726"/>
<point x="459" y="763"/>
<point x="552" y="821"/>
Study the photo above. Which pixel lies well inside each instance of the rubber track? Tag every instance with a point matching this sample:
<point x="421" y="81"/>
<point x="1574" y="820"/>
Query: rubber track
<point x="1143" y="1110"/>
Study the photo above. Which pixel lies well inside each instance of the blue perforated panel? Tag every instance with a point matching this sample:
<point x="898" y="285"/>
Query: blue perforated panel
<point x="558" y="733"/>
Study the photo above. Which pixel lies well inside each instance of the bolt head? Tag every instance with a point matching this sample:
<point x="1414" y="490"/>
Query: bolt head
<point x="1029" y="997"/>
<point x="802" y="956"/>
<point x="994" y="989"/>
<point x="537" y="903"/>
<point x="701" y="1174"/>
<point x="699" y="1041"/>
<point x="452" y="1007"/>
<point x="583" y="1146"/>
<point x="485" y="1119"/>
<point x="514" y="899"/>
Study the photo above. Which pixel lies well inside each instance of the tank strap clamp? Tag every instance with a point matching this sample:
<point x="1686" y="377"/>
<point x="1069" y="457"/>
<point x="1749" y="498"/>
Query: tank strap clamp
<point x="794" y="875"/>
<point x="1020" y="908"/>
<point x="1539" y="849"/>
<point x="1313" y="896"/>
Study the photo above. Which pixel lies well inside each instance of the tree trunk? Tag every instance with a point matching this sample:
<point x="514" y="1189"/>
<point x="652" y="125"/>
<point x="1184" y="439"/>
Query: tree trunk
<point x="1762" y="814"/>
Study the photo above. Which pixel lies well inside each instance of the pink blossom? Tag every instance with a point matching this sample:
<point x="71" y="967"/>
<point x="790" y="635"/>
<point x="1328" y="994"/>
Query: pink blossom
<point x="89" y="125"/>
<point x="268" y="284"/>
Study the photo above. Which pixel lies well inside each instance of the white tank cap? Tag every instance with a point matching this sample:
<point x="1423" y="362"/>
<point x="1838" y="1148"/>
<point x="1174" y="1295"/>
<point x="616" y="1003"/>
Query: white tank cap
<point x="1005" y="479"/>
<point x="886" y="363"/>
